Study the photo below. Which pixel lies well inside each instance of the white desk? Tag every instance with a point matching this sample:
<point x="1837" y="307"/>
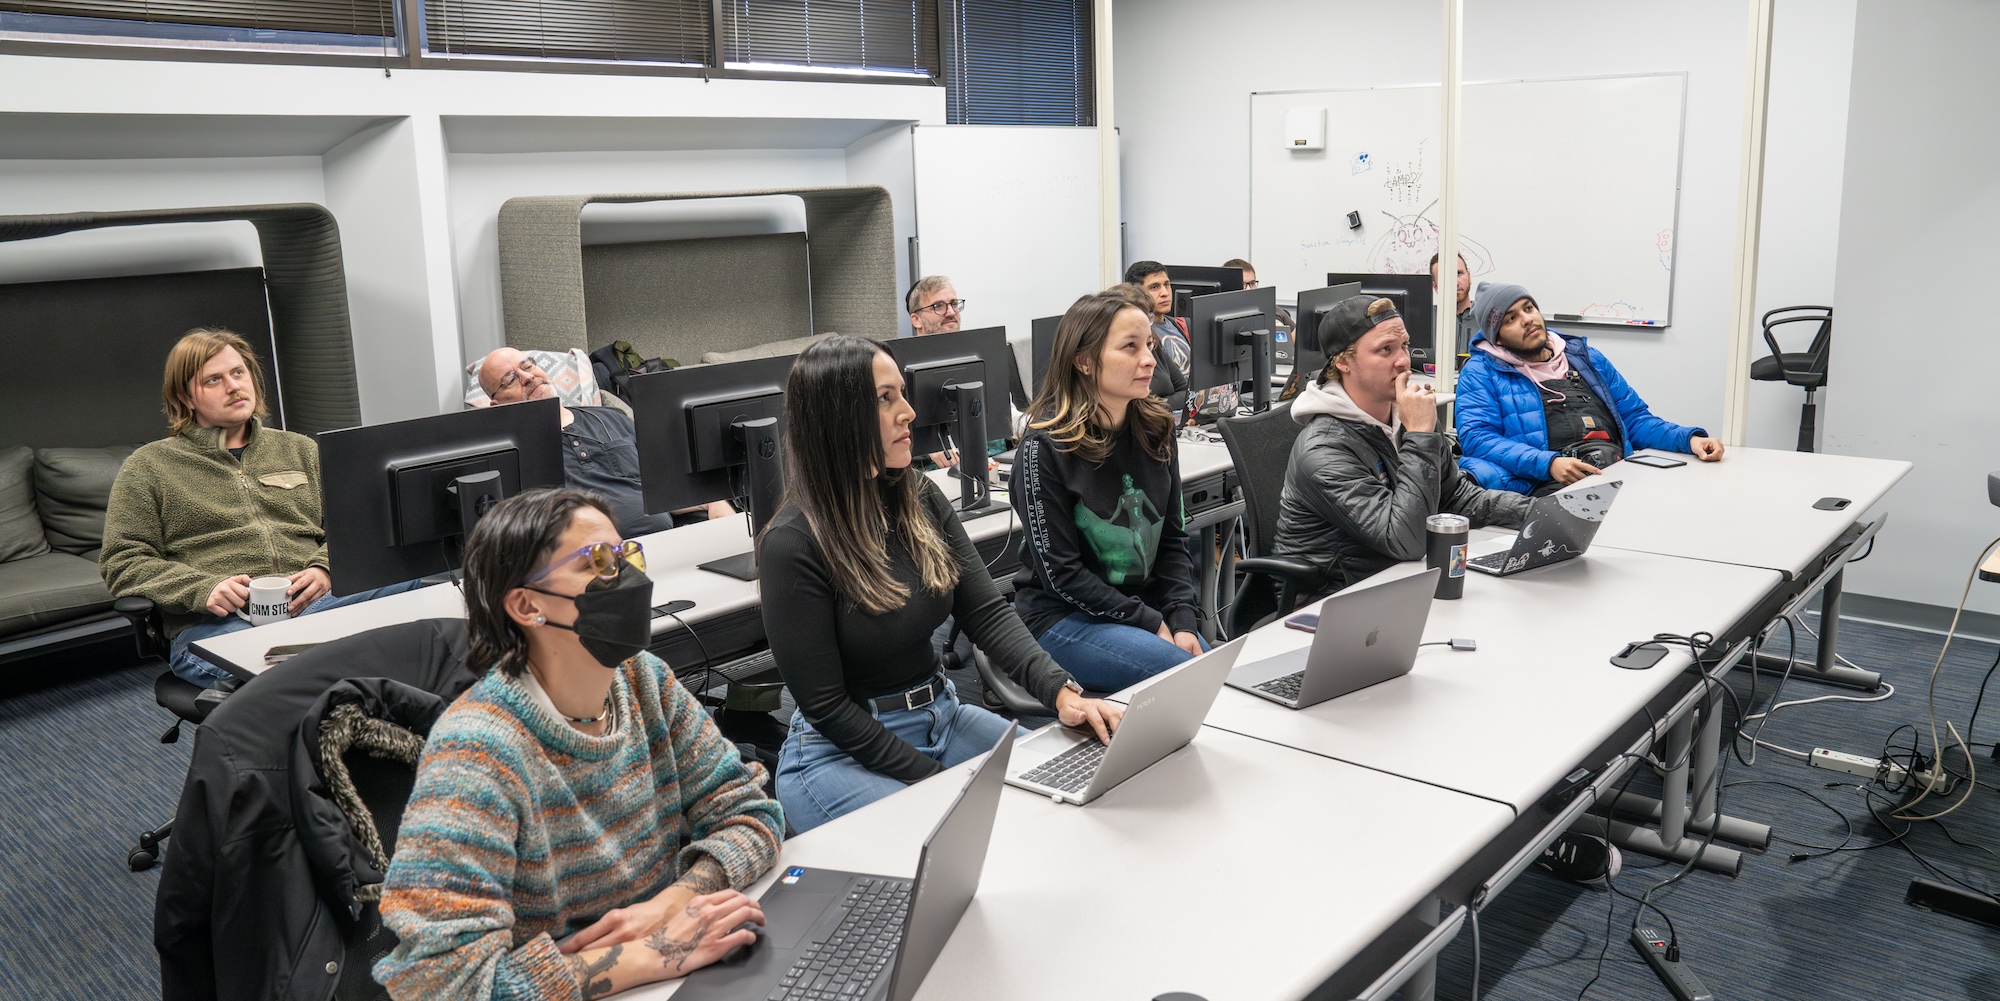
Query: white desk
<point x="1754" y="507"/>
<point x="1110" y="900"/>
<point x="673" y="557"/>
<point x="1507" y="721"/>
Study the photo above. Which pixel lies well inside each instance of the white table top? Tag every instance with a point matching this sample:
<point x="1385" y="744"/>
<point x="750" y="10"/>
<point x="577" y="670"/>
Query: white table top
<point x="1754" y="507"/>
<point x="1103" y="901"/>
<point x="1510" y="719"/>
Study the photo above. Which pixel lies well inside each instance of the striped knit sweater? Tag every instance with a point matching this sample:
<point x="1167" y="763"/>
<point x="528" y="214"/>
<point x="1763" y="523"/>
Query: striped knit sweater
<point x="522" y="830"/>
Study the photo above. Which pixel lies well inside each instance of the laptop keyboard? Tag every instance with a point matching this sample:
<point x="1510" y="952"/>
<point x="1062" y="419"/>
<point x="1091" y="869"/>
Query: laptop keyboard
<point x="1491" y="561"/>
<point x="850" y="960"/>
<point x="1069" y="771"/>
<point x="1286" y="687"/>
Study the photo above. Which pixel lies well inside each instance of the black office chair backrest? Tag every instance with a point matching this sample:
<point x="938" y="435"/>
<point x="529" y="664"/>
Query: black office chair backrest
<point x="1261" y="447"/>
<point x="1801" y="368"/>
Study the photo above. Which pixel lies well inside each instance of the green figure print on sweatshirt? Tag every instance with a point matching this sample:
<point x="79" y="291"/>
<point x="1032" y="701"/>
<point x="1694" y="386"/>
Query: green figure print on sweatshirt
<point x="1126" y="543"/>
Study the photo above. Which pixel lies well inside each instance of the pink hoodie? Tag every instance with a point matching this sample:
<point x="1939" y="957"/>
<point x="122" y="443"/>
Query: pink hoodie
<point x="1556" y="367"/>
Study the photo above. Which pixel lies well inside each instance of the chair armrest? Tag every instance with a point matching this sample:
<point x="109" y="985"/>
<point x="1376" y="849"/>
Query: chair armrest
<point x="1293" y="571"/>
<point x="147" y="630"/>
<point x="1013" y="696"/>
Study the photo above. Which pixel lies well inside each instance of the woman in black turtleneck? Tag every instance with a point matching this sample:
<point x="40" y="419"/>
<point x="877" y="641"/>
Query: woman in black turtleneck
<point x="858" y="568"/>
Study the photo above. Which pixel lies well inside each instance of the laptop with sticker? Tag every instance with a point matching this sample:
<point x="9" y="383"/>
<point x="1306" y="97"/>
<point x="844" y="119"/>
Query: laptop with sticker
<point x="1559" y="527"/>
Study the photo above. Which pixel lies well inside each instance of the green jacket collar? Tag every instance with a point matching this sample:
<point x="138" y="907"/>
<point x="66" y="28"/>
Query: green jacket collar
<point x="210" y="439"/>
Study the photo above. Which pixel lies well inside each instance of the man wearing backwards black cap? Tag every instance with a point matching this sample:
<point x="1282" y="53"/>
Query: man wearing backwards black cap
<point x="1538" y="410"/>
<point x="1371" y="464"/>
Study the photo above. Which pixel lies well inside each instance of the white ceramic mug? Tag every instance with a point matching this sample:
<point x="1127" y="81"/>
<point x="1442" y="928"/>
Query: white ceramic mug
<point x="270" y="601"/>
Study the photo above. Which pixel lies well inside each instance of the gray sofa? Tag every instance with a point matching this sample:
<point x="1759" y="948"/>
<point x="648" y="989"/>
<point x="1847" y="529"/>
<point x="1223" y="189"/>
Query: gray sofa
<point x="51" y="527"/>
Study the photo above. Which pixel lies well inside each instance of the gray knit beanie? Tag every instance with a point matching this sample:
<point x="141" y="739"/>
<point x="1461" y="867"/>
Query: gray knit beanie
<point x="1490" y="306"/>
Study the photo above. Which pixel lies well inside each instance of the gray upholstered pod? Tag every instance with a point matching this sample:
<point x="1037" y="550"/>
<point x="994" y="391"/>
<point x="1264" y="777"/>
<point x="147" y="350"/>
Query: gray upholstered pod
<point x="304" y="281"/>
<point x="850" y="247"/>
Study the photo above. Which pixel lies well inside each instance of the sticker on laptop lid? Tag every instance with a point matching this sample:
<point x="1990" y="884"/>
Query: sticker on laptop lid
<point x="792" y="875"/>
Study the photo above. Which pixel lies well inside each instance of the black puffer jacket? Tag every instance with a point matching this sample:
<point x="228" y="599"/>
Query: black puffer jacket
<point x="1355" y="502"/>
<point x="265" y="883"/>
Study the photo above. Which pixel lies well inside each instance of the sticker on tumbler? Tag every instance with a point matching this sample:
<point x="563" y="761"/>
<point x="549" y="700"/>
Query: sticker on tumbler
<point x="1458" y="560"/>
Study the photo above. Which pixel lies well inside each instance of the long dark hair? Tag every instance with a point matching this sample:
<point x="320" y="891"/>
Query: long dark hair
<point x="837" y="475"/>
<point x="518" y="537"/>
<point x="1067" y="407"/>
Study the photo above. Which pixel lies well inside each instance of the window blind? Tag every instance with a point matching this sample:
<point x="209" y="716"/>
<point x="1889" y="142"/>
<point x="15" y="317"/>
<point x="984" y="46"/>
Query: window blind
<point x="659" y="31"/>
<point x="373" y="18"/>
<point x="883" y="36"/>
<point x="1020" y="62"/>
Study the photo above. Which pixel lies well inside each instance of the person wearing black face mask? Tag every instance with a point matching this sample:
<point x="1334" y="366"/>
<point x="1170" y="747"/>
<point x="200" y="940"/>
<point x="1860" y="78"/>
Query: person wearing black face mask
<point x="641" y="822"/>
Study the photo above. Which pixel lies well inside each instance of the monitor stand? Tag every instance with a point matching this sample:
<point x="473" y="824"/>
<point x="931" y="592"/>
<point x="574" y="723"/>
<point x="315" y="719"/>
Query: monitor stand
<point x="968" y="428"/>
<point x="1259" y="342"/>
<point x="763" y="486"/>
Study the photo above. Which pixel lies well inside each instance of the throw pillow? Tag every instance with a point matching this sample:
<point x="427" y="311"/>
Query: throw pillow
<point x="72" y="487"/>
<point x="20" y="526"/>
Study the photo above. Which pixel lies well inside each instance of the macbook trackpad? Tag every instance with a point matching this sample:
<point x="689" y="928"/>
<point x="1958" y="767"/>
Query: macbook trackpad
<point x="788" y="916"/>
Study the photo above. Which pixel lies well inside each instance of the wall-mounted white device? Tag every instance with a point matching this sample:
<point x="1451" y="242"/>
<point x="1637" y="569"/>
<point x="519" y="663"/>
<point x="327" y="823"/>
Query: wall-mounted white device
<point x="1305" y="128"/>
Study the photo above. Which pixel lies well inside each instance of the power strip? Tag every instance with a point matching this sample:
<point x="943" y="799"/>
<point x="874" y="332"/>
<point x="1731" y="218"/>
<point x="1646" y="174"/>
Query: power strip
<point x="1890" y="773"/>
<point x="1652" y="944"/>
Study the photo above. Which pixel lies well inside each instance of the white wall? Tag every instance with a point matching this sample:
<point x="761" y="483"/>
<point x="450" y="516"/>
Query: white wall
<point x="1184" y="125"/>
<point x="94" y="134"/>
<point x="1915" y="350"/>
<point x="1812" y="53"/>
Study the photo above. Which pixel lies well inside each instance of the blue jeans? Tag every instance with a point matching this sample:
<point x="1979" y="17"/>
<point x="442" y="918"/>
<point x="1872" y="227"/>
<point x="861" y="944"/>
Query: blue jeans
<point x="817" y="781"/>
<point x="187" y="666"/>
<point x="1110" y="656"/>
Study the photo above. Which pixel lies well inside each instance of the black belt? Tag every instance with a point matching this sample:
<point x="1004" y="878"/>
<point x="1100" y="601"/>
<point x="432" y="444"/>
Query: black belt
<point x="916" y="698"/>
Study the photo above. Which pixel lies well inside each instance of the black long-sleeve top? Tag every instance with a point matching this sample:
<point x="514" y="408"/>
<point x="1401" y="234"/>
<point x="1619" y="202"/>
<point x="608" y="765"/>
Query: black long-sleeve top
<point x="833" y="655"/>
<point x="1105" y="539"/>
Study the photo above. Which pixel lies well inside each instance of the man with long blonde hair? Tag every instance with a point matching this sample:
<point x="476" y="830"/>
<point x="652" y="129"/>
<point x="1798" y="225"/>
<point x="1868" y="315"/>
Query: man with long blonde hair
<point x="222" y="500"/>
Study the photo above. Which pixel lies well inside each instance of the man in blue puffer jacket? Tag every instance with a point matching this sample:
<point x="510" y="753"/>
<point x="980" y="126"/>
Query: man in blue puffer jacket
<point x="1538" y="410"/>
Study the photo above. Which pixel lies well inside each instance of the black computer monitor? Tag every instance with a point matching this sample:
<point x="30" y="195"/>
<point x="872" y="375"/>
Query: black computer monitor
<point x="399" y="499"/>
<point x="1413" y="297"/>
<point x="952" y="381"/>
<point x="1228" y="331"/>
<point x="1312" y="307"/>
<point x="1189" y="281"/>
<point x="1041" y="344"/>
<point x="713" y="431"/>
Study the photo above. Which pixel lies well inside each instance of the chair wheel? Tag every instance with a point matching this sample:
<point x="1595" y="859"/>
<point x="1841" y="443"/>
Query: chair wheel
<point x="141" y="859"/>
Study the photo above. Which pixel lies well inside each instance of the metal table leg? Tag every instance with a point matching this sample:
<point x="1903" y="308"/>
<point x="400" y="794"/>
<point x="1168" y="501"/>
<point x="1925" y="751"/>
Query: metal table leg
<point x="1671" y="840"/>
<point x="1422" y="985"/>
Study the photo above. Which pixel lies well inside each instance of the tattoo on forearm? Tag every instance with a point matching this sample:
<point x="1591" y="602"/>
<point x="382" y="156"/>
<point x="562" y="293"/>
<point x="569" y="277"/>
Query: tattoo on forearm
<point x="675" y="952"/>
<point x="706" y="876"/>
<point x="586" y="970"/>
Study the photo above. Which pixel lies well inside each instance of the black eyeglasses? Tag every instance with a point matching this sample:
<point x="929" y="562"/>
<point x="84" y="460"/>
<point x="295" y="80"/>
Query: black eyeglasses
<point x="947" y="306"/>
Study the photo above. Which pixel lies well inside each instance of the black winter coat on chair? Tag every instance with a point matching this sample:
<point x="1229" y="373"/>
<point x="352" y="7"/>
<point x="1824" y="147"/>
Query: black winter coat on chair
<point x="265" y="884"/>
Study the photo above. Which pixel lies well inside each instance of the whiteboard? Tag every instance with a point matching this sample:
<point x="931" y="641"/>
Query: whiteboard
<point x="1011" y="214"/>
<point x="1569" y="188"/>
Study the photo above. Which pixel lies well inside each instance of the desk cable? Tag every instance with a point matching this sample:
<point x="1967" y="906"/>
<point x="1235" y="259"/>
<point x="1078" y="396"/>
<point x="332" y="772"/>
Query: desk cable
<point x="1698" y="645"/>
<point x="707" y="663"/>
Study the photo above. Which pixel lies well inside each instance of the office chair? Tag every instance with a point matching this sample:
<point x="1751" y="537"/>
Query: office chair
<point x="1261" y="447"/>
<point x="272" y="882"/>
<point x="1011" y="696"/>
<point x="1804" y="369"/>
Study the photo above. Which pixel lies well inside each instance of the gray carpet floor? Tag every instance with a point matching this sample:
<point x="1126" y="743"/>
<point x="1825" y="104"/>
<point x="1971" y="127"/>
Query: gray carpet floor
<point x="81" y="773"/>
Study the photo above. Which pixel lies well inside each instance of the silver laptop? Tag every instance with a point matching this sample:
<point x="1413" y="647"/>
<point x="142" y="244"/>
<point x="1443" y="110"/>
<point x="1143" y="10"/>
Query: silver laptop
<point x="1366" y="636"/>
<point x="1161" y="716"/>
<point x="1559" y="527"/>
<point x="847" y="929"/>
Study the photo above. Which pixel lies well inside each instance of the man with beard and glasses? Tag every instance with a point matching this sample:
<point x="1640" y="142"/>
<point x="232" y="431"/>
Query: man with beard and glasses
<point x="1539" y="410"/>
<point x="222" y="500"/>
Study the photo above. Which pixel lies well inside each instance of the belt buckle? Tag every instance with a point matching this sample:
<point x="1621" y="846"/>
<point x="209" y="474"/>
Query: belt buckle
<point x="909" y="697"/>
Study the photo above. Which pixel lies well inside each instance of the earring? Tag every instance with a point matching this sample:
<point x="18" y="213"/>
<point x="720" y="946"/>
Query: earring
<point x="540" y="619"/>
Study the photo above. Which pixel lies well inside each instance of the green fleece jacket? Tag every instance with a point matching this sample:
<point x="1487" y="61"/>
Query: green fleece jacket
<point x="185" y="514"/>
